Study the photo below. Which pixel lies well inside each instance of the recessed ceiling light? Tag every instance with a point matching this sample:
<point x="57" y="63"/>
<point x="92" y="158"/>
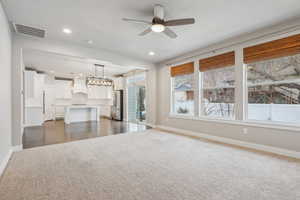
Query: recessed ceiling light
<point x="151" y="53"/>
<point x="90" y="41"/>
<point x="67" y="31"/>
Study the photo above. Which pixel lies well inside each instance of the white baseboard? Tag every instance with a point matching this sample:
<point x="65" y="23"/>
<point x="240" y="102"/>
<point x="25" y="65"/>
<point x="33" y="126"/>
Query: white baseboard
<point x="151" y="125"/>
<point x="32" y="125"/>
<point x="17" y="148"/>
<point x="4" y="162"/>
<point x="260" y="147"/>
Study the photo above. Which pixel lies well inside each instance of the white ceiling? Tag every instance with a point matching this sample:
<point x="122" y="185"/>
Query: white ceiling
<point x="100" y="21"/>
<point x="67" y="66"/>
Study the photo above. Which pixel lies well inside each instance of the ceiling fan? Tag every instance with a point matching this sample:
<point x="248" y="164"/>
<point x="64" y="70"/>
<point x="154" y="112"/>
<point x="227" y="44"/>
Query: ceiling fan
<point x="159" y="24"/>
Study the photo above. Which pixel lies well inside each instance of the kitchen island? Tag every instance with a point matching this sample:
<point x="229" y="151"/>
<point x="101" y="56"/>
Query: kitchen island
<point x="81" y="113"/>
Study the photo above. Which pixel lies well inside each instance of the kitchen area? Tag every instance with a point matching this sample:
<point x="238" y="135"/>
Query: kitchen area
<point x="53" y="98"/>
<point x="63" y="106"/>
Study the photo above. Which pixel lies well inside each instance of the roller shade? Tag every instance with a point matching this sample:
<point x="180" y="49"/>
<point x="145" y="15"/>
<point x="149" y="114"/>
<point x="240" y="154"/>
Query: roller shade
<point x="187" y="68"/>
<point x="275" y="49"/>
<point x="219" y="61"/>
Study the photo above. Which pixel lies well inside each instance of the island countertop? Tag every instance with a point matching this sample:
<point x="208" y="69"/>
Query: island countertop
<point x="81" y="113"/>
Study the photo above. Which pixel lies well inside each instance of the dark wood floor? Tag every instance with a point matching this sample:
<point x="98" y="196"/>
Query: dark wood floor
<point x="54" y="132"/>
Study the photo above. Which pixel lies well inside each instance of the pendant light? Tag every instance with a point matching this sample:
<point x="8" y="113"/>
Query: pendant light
<point x="99" y="81"/>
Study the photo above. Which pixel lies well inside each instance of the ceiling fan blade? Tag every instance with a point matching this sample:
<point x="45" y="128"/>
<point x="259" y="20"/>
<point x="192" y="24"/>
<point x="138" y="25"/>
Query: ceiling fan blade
<point x="179" y="22"/>
<point x="159" y="11"/>
<point x="136" y="21"/>
<point x="170" y="33"/>
<point x="148" y="30"/>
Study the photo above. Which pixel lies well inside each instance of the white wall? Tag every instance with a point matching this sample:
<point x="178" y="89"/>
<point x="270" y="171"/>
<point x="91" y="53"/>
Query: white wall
<point x="5" y="88"/>
<point x="21" y="43"/>
<point x="280" y="137"/>
<point x="151" y="99"/>
<point x="17" y="93"/>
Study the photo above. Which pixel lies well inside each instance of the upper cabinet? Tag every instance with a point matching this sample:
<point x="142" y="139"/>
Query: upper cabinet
<point x="99" y="92"/>
<point x="109" y="92"/>
<point x="79" y="85"/>
<point x="63" y="89"/>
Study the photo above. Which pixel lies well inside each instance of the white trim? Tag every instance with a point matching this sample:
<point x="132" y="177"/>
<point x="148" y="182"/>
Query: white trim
<point x="17" y="148"/>
<point x="260" y="124"/>
<point x="151" y="125"/>
<point x="5" y="161"/>
<point x="31" y="125"/>
<point x="260" y="147"/>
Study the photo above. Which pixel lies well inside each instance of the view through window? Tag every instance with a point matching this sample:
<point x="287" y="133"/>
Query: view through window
<point x="218" y="92"/>
<point x="274" y="90"/>
<point x="183" y="94"/>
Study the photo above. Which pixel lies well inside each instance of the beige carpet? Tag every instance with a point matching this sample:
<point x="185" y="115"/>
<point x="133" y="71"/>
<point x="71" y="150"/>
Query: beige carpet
<point x="148" y="165"/>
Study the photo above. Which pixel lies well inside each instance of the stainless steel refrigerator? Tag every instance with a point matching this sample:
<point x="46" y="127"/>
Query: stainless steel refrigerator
<point x="117" y="108"/>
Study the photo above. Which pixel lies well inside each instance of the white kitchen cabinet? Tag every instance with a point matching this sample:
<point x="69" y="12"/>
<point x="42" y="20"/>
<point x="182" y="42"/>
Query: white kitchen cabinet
<point x="93" y="92"/>
<point x="105" y="111"/>
<point x="109" y="92"/>
<point x="59" y="111"/>
<point x="63" y="89"/>
<point x="79" y="85"/>
<point x="99" y="92"/>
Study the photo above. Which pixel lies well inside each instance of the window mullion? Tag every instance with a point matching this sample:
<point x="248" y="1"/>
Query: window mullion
<point x="197" y="99"/>
<point x="240" y="87"/>
<point x="171" y="90"/>
<point x="200" y="75"/>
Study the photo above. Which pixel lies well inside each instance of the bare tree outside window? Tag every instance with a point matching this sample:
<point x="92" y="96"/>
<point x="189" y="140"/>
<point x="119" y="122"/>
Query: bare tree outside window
<point x="218" y="92"/>
<point x="274" y="89"/>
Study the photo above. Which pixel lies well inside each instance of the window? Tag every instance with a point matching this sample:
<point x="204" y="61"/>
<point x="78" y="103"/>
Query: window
<point x="183" y="94"/>
<point x="268" y="88"/>
<point x="183" y="89"/>
<point x="274" y="89"/>
<point x="218" y="92"/>
<point x="218" y="82"/>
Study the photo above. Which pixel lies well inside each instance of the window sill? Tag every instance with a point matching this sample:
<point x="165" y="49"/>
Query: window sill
<point x="252" y="123"/>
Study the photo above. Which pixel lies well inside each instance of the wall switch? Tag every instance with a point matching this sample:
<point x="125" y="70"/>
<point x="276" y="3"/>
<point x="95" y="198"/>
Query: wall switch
<point x="245" y="130"/>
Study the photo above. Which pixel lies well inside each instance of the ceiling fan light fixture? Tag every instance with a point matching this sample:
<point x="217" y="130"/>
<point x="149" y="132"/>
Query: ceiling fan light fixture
<point x="158" y="28"/>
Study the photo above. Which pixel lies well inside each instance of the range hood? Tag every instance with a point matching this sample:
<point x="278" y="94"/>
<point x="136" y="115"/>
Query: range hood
<point x="79" y="86"/>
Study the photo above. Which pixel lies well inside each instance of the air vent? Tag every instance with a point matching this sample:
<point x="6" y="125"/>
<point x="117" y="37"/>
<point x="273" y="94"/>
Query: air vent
<point x="27" y="30"/>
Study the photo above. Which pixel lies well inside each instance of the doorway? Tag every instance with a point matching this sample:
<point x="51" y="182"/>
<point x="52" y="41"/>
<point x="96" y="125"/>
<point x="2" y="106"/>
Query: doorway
<point x="136" y="98"/>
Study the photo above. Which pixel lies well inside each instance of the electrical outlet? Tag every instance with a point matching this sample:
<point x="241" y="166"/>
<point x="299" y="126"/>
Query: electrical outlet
<point x="245" y="130"/>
